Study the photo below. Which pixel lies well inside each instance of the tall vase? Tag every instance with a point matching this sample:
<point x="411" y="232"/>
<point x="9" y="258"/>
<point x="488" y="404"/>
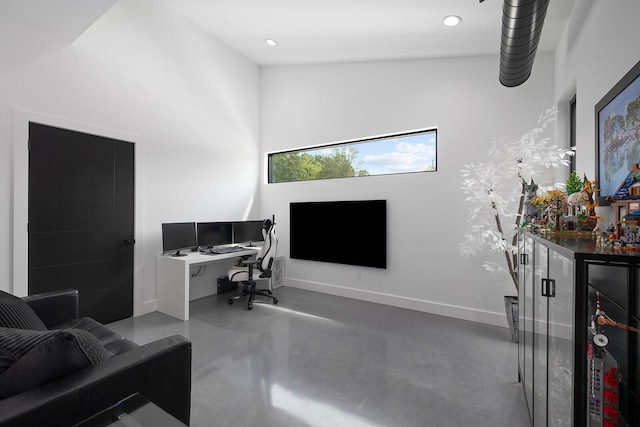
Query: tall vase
<point x="511" y="308"/>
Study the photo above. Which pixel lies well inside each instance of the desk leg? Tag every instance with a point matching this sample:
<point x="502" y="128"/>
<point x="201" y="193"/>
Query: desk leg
<point x="172" y="291"/>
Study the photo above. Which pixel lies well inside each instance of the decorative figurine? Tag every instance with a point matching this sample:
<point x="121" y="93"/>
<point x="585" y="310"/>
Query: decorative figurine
<point x="530" y="213"/>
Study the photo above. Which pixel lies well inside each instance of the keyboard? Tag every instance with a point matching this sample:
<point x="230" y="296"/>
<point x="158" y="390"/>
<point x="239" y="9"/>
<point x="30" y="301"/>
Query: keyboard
<point x="226" y="249"/>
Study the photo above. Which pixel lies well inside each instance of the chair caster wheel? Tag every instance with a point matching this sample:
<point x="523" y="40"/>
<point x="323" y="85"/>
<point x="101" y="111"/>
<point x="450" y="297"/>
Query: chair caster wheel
<point x="250" y="307"/>
<point x="275" y="300"/>
<point x="230" y="301"/>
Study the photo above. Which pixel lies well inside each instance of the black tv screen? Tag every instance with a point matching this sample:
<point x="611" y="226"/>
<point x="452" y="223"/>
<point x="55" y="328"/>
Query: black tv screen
<point x="344" y="232"/>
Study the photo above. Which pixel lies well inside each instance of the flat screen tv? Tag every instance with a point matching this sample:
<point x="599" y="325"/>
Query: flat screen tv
<point x="212" y="234"/>
<point x="350" y="232"/>
<point x="247" y="231"/>
<point x="177" y="236"/>
<point x="618" y="140"/>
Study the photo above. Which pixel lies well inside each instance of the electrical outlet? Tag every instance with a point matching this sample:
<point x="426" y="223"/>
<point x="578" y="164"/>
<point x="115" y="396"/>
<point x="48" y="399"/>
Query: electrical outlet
<point x="359" y="275"/>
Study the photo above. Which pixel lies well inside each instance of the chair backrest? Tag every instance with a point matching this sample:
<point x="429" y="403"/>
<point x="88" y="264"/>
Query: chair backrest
<point x="268" y="251"/>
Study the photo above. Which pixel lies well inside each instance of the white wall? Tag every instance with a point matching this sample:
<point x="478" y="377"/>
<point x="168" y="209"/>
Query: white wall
<point x="598" y="48"/>
<point x="187" y="100"/>
<point x="307" y="105"/>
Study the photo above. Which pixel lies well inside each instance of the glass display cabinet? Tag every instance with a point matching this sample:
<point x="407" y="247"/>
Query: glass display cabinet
<point x="579" y="347"/>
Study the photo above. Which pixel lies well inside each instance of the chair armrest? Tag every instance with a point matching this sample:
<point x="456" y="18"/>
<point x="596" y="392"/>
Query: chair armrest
<point x="248" y="262"/>
<point x="55" y="307"/>
<point x="266" y="274"/>
<point x="160" y="371"/>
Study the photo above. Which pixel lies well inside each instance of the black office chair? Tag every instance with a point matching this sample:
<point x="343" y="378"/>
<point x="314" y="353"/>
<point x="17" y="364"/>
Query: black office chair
<point x="250" y="270"/>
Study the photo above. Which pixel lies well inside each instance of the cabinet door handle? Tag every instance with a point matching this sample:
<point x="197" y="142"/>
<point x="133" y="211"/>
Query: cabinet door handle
<point x="548" y="288"/>
<point x="551" y="289"/>
<point x="524" y="259"/>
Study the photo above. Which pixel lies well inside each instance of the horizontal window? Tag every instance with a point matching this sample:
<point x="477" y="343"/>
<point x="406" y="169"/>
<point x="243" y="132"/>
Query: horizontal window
<point x="408" y="152"/>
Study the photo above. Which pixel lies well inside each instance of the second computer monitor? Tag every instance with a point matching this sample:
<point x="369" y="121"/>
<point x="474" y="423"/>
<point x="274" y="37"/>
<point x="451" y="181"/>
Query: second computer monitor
<point x="214" y="234"/>
<point x="247" y="231"/>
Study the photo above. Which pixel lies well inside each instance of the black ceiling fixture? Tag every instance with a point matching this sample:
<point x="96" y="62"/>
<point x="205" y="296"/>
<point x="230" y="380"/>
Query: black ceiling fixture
<point x="522" y="22"/>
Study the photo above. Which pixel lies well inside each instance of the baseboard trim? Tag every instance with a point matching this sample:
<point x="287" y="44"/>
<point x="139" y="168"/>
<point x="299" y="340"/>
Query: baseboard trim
<point x="457" y="312"/>
<point x="145" y="308"/>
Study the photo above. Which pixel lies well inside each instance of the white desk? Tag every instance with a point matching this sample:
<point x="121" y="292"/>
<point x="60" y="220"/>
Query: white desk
<point x="173" y="275"/>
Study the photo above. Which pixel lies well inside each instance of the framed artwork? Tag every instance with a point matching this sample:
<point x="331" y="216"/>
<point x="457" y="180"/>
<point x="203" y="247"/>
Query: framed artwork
<point x="618" y="140"/>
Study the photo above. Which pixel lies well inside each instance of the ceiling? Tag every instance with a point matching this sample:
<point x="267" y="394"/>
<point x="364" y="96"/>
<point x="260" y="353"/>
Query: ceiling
<point x="307" y="31"/>
<point x="30" y="29"/>
<point x="314" y="31"/>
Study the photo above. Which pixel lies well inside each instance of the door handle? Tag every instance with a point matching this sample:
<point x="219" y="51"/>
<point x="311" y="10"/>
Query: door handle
<point x="129" y="242"/>
<point x="549" y="288"/>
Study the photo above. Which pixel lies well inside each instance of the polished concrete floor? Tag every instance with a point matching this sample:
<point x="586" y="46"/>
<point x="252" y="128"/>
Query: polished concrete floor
<point x="320" y="360"/>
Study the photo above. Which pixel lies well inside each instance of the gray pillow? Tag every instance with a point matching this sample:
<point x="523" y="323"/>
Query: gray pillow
<point x="41" y="356"/>
<point x="6" y="360"/>
<point x="15" y="313"/>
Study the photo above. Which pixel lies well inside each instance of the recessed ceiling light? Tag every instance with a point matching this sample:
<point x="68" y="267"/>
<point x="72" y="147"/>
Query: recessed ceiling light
<point x="270" y="42"/>
<point x="451" y="20"/>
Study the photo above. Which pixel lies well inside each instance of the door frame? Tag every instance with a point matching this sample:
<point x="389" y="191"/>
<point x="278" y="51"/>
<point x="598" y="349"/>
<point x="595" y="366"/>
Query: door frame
<point x="20" y="274"/>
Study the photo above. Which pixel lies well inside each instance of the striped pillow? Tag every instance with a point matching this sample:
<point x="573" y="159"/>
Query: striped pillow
<point x="15" y="313"/>
<point x="30" y="358"/>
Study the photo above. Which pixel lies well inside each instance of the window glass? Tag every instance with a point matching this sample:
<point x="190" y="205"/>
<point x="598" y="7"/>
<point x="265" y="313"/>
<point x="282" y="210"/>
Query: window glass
<point x="393" y="154"/>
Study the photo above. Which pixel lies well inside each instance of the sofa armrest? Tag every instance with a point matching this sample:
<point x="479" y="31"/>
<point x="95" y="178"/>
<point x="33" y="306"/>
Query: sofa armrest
<point x="54" y="307"/>
<point x="160" y="371"/>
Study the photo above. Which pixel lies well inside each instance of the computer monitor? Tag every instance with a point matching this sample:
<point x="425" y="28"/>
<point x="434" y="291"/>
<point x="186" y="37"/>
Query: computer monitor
<point x="212" y="234"/>
<point x="247" y="232"/>
<point x="177" y="236"/>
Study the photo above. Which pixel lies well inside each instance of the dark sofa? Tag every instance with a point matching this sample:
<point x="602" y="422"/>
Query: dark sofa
<point x="108" y="367"/>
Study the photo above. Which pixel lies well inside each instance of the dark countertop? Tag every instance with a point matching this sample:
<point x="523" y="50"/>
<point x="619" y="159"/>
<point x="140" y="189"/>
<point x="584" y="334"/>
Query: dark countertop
<point x="582" y="246"/>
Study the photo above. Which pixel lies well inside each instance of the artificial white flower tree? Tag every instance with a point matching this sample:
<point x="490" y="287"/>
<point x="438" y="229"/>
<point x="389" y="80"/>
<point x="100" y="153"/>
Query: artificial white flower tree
<point x="496" y="190"/>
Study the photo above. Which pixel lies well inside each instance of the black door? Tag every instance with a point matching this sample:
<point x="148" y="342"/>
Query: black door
<point x="81" y="219"/>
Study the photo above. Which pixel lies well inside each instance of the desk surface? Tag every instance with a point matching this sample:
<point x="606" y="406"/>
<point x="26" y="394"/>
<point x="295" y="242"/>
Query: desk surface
<point x="198" y="257"/>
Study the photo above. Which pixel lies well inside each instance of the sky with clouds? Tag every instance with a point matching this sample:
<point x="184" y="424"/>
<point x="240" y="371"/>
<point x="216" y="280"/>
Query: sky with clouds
<point x="409" y="153"/>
